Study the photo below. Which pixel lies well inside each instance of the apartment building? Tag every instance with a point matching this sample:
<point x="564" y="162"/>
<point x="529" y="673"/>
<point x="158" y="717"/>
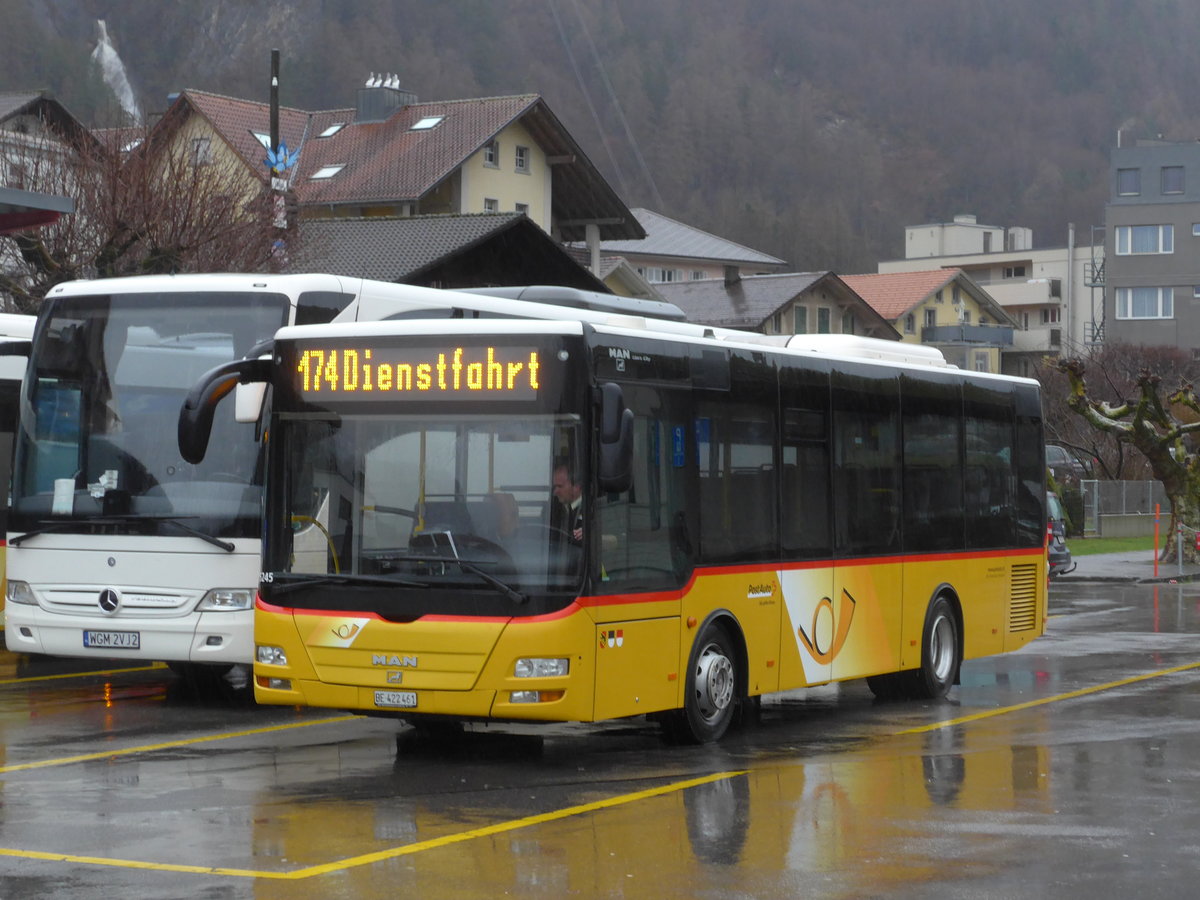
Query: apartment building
<point x="1153" y="244"/>
<point x="1054" y="296"/>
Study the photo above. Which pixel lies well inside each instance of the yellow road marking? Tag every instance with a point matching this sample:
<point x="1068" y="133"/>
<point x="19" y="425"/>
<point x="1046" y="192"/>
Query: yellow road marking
<point x="367" y="859"/>
<point x="81" y="674"/>
<point x="486" y="830"/>
<point x="169" y="745"/>
<point x="1070" y="695"/>
<point x="135" y="864"/>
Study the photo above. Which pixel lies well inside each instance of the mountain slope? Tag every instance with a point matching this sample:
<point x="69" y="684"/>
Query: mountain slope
<point x="810" y="130"/>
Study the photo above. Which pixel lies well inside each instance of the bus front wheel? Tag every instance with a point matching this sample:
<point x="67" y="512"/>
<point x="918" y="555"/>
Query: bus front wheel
<point x="712" y="685"/>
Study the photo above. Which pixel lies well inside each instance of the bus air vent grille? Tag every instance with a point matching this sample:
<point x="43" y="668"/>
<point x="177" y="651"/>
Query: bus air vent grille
<point x="1022" y="605"/>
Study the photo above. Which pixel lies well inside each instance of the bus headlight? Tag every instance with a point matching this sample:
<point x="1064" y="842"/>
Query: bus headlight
<point x="20" y="592"/>
<point x="221" y="599"/>
<point x="541" y="668"/>
<point x="270" y="656"/>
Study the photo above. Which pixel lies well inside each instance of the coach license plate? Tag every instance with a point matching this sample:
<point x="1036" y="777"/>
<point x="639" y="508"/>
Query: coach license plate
<point x="396" y="699"/>
<point x="113" y="640"/>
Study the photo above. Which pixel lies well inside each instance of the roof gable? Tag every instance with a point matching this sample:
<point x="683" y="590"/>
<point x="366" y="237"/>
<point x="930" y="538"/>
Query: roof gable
<point x="896" y="293"/>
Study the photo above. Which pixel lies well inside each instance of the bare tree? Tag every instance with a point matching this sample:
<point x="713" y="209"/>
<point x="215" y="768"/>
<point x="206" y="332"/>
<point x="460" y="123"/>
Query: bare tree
<point x="1157" y="427"/>
<point x="1115" y="368"/>
<point x="144" y="205"/>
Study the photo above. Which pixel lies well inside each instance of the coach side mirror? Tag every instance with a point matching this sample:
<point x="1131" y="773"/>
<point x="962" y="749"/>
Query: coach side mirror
<point x="200" y="405"/>
<point x="616" y="440"/>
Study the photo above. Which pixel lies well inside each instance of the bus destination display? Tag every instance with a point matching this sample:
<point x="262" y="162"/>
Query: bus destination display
<point x="419" y="373"/>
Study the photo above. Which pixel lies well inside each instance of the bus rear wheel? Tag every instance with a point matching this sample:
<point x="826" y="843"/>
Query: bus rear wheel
<point x="941" y="652"/>
<point x="712" y="689"/>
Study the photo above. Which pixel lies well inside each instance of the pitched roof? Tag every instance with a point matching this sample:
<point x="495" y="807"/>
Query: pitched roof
<point x="667" y="237"/>
<point x="895" y="293"/>
<point x="44" y="106"/>
<point x="405" y="249"/>
<point x="751" y="300"/>
<point x="387" y="161"/>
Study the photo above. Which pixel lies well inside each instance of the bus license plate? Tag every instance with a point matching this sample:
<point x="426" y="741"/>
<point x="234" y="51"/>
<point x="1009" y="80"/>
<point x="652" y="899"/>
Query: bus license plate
<point x="396" y="699"/>
<point x="113" y="640"/>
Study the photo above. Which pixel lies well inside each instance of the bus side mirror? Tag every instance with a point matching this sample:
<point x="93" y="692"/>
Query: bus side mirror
<point x="616" y="440"/>
<point x="200" y="405"/>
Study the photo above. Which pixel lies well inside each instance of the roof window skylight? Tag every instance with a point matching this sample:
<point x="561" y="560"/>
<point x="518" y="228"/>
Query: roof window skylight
<point x="264" y="139"/>
<point x="332" y="129"/>
<point x="426" y="123"/>
<point x="326" y="172"/>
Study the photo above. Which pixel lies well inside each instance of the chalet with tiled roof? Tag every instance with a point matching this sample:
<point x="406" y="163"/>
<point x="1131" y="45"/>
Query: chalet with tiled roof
<point x="943" y="308"/>
<point x="390" y="155"/>
<point x="793" y="303"/>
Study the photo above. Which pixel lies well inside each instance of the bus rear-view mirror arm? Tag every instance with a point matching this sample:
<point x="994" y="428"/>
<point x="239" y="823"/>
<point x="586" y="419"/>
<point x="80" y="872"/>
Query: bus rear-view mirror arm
<point x="616" y="440"/>
<point x="196" y="414"/>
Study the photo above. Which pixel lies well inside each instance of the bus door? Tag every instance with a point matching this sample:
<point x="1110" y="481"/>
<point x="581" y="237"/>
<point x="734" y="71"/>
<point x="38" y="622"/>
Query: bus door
<point x="867" y="603"/>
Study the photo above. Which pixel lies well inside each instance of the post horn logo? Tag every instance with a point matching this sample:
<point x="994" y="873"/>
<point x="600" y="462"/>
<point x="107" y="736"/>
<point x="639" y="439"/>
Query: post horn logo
<point x="830" y="628"/>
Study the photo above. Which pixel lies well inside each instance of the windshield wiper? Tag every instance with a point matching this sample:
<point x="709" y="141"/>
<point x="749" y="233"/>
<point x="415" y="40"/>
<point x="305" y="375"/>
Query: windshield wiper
<point x="227" y="546"/>
<point x="506" y="589"/>
<point x="60" y="524"/>
<point x="294" y="580"/>
<point x="44" y="528"/>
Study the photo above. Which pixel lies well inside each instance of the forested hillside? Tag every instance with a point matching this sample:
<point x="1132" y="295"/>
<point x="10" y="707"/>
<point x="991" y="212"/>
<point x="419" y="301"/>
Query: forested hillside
<point x="813" y="130"/>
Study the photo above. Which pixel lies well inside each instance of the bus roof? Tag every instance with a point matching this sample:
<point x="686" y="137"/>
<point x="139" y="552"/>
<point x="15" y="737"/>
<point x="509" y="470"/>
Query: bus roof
<point x="16" y="325"/>
<point x="403" y="306"/>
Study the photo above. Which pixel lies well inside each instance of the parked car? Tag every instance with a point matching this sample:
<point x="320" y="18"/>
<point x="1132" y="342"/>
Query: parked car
<point x="1065" y="466"/>
<point x="1057" y="553"/>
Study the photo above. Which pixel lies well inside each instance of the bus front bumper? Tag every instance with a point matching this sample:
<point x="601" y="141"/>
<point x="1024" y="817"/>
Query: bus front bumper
<point x="219" y="638"/>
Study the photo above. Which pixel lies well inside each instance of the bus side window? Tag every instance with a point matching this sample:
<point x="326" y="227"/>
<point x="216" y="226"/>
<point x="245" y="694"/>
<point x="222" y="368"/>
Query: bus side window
<point x="990" y="465"/>
<point x="644" y="538"/>
<point x="805" y="484"/>
<point x="931" y="413"/>
<point x="866" y="471"/>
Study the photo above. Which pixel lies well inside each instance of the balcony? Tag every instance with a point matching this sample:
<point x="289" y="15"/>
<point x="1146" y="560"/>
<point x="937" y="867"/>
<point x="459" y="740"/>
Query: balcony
<point x="976" y="335"/>
<point x="1042" y="339"/>
<point x="1035" y="292"/>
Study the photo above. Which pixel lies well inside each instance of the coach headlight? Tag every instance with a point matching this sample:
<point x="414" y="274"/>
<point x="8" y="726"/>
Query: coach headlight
<point x="269" y="655"/>
<point x="20" y="592"/>
<point x="536" y="667"/>
<point x="223" y="599"/>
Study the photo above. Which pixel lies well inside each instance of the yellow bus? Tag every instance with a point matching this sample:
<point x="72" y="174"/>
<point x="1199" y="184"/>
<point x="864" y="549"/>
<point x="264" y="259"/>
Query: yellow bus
<point x="601" y="516"/>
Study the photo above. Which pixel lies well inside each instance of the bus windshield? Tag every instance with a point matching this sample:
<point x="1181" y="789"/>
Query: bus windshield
<point x="478" y="504"/>
<point x="107" y="376"/>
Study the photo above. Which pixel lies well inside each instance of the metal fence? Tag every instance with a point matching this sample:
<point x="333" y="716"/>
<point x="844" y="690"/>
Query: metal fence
<point x="1120" y="498"/>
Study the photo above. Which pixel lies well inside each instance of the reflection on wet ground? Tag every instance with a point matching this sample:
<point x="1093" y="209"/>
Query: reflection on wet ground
<point x="1060" y="766"/>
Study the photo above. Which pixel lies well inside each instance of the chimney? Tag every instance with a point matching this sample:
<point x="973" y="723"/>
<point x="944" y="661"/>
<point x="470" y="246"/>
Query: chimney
<point x="733" y="275"/>
<point x="379" y="97"/>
